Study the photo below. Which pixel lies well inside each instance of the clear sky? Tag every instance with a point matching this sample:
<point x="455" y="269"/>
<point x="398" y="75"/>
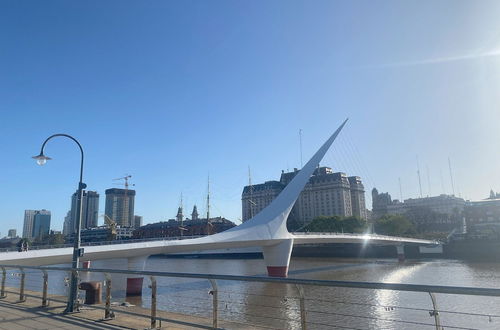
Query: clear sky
<point x="170" y="91"/>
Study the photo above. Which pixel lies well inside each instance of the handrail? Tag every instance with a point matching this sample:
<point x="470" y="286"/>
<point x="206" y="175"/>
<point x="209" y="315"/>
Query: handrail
<point x="99" y="243"/>
<point x="345" y="284"/>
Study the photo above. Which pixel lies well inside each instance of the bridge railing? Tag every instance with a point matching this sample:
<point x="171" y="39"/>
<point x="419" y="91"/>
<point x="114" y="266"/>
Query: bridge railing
<point x="266" y="302"/>
<point x="121" y="241"/>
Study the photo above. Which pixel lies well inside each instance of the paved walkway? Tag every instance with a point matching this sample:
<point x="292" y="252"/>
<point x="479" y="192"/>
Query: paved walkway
<point x="29" y="315"/>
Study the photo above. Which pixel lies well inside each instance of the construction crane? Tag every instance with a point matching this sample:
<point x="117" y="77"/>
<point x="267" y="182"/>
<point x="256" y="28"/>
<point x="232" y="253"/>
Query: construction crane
<point x="111" y="224"/>
<point x="126" y="218"/>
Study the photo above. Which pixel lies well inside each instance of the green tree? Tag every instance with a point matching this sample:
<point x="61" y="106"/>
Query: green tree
<point x="336" y="224"/>
<point x="394" y="225"/>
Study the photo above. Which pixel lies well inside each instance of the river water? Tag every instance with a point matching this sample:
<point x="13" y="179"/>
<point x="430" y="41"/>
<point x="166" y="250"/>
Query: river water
<point x="276" y="306"/>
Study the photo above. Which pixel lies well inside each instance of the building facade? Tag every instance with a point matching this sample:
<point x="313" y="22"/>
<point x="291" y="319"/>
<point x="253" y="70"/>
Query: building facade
<point x="435" y="213"/>
<point x="482" y="212"/>
<point x="41" y="224"/>
<point x="12" y="233"/>
<point x="120" y="206"/>
<point x="28" y="223"/>
<point x="90" y="211"/>
<point x="137" y="221"/>
<point x="36" y="223"/>
<point x="172" y="228"/>
<point x="327" y="193"/>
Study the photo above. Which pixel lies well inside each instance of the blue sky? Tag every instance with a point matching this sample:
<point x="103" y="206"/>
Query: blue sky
<point x="170" y="91"/>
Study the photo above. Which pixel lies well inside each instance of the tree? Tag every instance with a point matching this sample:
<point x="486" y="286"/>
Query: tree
<point x="336" y="224"/>
<point x="394" y="225"/>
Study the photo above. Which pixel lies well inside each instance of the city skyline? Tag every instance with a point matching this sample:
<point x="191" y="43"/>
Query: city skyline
<point x="175" y="92"/>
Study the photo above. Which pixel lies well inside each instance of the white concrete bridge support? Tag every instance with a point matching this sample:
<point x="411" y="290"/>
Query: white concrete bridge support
<point x="401" y="252"/>
<point x="277" y="258"/>
<point x="134" y="284"/>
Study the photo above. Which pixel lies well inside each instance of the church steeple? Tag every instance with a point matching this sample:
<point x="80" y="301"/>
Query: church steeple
<point x="194" y="214"/>
<point x="179" y="216"/>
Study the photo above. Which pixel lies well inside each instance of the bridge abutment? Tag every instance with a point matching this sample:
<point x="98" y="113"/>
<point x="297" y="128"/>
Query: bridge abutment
<point x="277" y="258"/>
<point x="134" y="284"/>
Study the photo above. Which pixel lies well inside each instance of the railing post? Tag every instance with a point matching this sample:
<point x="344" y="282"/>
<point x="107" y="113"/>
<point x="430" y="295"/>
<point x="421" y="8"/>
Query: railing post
<point x="22" y="297"/>
<point x="215" y="302"/>
<point x="45" y="301"/>
<point x="302" y="302"/>
<point x="435" y="312"/>
<point x="153" y="302"/>
<point x="108" y="313"/>
<point x="4" y="275"/>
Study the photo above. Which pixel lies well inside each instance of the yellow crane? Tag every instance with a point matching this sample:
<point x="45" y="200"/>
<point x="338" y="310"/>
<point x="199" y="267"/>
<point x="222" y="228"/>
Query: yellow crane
<point x="111" y="224"/>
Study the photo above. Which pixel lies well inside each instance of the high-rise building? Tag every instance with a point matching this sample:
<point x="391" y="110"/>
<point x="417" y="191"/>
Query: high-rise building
<point x="90" y="210"/>
<point x="68" y="224"/>
<point x="28" y="223"/>
<point x="137" y="221"/>
<point x="41" y="224"/>
<point x="120" y="206"/>
<point x="12" y="233"/>
<point x="327" y="193"/>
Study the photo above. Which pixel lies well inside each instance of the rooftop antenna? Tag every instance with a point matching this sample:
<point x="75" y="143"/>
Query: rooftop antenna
<point x="451" y="177"/>
<point x="400" y="190"/>
<point x="300" y="141"/>
<point x="419" y="181"/>
<point x="428" y="180"/>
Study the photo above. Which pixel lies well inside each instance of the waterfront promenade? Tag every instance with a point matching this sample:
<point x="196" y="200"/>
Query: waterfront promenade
<point x="15" y="315"/>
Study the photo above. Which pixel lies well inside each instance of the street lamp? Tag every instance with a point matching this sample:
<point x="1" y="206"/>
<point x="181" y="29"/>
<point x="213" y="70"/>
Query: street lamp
<point x="41" y="159"/>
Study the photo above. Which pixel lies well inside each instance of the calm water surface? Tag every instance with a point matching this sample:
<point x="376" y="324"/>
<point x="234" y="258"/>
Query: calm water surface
<point x="275" y="306"/>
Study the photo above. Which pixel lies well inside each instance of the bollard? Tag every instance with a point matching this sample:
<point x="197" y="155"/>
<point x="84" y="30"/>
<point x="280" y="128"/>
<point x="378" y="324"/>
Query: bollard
<point x="302" y="307"/>
<point x="108" y="313"/>
<point x="45" y="301"/>
<point x="153" y="302"/>
<point x="435" y="312"/>
<point x="22" y="297"/>
<point x="4" y="275"/>
<point x="215" y="302"/>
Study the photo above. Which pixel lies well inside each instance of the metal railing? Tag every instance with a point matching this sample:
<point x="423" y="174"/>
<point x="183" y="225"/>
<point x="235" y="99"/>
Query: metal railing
<point x="304" y="307"/>
<point x="121" y="241"/>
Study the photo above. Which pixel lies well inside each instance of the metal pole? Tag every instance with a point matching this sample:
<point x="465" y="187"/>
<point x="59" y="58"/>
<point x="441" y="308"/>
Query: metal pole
<point x="77" y="253"/>
<point x="302" y="306"/>
<point x="22" y="297"/>
<point x="4" y="275"/>
<point x="153" y="302"/>
<point x="215" y="302"/>
<point x="45" y="301"/>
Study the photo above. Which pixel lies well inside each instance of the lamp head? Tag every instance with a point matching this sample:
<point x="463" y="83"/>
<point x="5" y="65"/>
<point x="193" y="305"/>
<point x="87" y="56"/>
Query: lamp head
<point x="41" y="159"/>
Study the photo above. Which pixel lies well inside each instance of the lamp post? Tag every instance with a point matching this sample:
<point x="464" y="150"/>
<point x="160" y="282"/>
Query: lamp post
<point x="41" y="159"/>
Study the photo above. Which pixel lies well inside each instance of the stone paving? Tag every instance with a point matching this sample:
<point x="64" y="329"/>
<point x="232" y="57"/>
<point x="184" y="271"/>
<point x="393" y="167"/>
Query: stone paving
<point x="30" y="315"/>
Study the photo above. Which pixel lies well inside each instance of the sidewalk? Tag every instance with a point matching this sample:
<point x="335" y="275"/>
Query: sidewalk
<point x="29" y="315"/>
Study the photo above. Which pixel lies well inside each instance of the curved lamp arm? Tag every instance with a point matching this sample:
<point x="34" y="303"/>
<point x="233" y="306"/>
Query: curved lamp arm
<point x="42" y="159"/>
